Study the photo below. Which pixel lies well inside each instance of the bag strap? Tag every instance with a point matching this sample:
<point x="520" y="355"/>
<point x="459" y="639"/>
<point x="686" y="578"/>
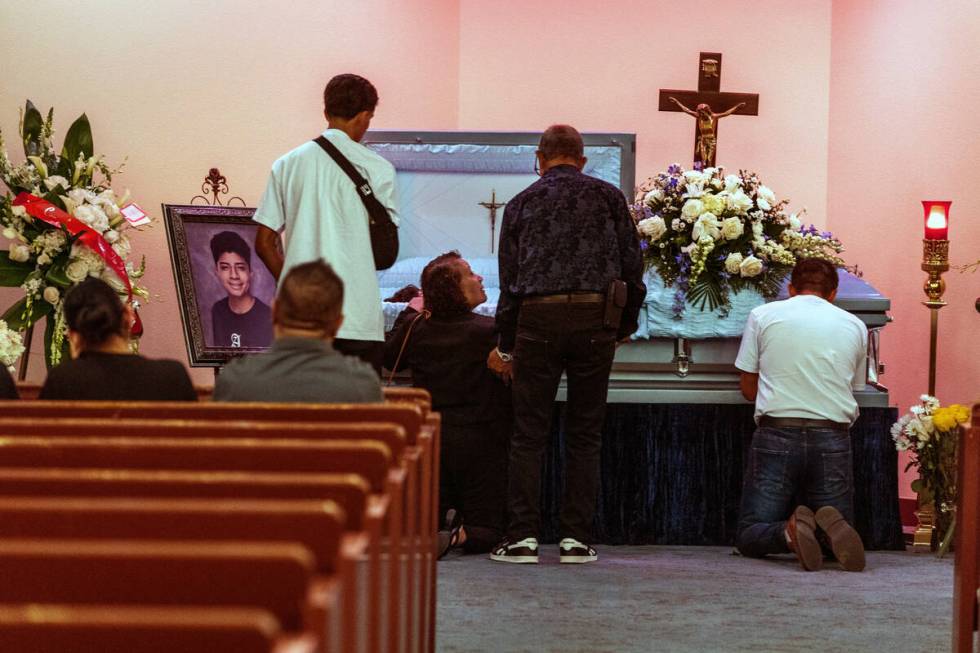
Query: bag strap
<point x="394" y="370"/>
<point x="371" y="203"/>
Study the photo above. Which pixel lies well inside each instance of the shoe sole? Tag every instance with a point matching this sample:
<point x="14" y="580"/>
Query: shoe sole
<point x="520" y="560"/>
<point x="808" y="549"/>
<point x="844" y="540"/>
<point x="578" y="560"/>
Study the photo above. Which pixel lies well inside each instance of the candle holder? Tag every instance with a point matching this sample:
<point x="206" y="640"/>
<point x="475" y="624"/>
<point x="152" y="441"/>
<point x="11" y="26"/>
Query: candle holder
<point x="935" y="261"/>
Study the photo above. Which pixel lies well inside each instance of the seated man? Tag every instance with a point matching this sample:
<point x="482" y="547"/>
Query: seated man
<point x="240" y="319"/>
<point x="302" y="365"/>
<point x="800" y="360"/>
<point x="446" y="347"/>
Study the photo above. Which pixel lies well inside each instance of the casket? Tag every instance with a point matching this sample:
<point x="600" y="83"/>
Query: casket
<point x="448" y="182"/>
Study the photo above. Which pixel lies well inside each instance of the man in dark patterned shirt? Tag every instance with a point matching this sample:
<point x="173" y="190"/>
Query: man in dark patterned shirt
<point x="564" y="239"/>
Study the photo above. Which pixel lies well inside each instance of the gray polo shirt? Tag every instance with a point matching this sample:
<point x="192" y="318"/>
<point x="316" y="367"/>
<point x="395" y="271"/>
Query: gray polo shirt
<point x="300" y="370"/>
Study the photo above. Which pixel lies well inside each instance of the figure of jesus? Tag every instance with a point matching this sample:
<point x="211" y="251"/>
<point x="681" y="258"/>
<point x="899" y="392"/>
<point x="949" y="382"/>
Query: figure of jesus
<point x="707" y="131"/>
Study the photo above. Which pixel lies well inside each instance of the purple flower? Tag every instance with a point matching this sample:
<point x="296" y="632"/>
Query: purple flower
<point x="644" y="245"/>
<point x="698" y="166"/>
<point x="673" y="182"/>
<point x="674" y="169"/>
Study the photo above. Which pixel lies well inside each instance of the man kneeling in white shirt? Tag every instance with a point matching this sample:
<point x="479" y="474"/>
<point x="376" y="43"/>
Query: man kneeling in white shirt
<point x="801" y="359"/>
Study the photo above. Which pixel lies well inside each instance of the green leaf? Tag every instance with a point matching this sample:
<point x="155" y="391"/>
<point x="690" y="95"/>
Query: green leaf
<point x="48" y="337"/>
<point x="706" y="290"/>
<point x="13" y="273"/>
<point x="56" y="273"/>
<point x="17" y="320"/>
<point x="31" y="131"/>
<point x="78" y="140"/>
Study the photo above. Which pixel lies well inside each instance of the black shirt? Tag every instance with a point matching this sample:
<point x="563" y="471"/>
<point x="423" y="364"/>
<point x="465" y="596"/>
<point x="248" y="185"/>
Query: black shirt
<point x="124" y="377"/>
<point x="448" y="357"/>
<point x="8" y="387"/>
<point x="250" y="329"/>
<point x="567" y="232"/>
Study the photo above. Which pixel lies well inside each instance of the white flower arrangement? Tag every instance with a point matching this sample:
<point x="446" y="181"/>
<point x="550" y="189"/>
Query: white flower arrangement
<point x="709" y="234"/>
<point x="11" y="346"/>
<point x="45" y="259"/>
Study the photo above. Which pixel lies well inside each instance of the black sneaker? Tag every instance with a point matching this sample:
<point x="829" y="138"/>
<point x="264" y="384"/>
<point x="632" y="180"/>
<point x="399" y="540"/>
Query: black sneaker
<point x="523" y="552"/>
<point x="574" y="552"/>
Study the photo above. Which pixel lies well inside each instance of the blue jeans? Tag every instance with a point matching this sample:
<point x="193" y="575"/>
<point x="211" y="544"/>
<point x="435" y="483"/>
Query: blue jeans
<point x="789" y="467"/>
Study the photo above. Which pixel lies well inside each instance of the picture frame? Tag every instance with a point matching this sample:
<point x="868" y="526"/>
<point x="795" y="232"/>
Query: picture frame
<point x="224" y="290"/>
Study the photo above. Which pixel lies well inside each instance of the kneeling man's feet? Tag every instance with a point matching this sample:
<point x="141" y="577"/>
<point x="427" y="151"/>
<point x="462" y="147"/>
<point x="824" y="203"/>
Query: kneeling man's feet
<point x="523" y="552"/>
<point x="844" y="540"/>
<point x="802" y="539"/>
<point x="574" y="552"/>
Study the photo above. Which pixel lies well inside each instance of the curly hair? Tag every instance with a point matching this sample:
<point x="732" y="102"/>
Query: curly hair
<point x="440" y="286"/>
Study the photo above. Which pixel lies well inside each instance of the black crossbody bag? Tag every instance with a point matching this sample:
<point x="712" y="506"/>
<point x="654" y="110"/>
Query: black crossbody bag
<point x="384" y="233"/>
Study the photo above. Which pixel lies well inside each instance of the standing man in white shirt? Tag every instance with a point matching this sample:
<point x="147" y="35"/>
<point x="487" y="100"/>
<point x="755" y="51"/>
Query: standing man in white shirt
<point x="801" y="359"/>
<point x="316" y="208"/>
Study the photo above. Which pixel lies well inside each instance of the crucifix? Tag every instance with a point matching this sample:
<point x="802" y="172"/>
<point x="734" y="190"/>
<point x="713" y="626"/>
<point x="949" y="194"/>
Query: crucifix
<point x="708" y="105"/>
<point x="492" y="205"/>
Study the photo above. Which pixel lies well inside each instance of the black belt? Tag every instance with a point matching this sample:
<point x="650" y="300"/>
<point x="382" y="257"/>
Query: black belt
<point x="566" y="298"/>
<point x="801" y="423"/>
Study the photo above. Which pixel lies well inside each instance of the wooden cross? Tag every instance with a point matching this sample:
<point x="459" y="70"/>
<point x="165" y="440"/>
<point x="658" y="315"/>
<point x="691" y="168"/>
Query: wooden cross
<point x="493" y="205"/>
<point x="708" y="105"/>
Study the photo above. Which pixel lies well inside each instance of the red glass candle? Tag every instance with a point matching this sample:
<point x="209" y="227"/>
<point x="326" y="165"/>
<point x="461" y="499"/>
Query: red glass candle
<point x="936" y="217"/>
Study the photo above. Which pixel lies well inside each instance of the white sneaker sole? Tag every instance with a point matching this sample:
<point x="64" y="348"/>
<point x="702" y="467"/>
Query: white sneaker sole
<point x="578" y="560"/>
<point x="521" y="560"/>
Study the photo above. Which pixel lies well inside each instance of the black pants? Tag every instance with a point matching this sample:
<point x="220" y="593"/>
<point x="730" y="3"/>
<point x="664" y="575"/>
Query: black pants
<point x="473" y="479"/>
<point x="371" y="352"/>
<point x="552" y="338"/>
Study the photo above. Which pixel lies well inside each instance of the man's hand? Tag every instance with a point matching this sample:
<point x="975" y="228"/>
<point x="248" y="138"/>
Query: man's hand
<point x="499" y="367"/>
<point x="268" y="245"/>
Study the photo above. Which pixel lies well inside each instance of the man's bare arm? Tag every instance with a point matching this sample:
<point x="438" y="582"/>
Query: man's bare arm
<point x="268" y="246"/>
<point x="731" y="111"/>
<point x="689" y="112"/>
<point x="749" y="384"/>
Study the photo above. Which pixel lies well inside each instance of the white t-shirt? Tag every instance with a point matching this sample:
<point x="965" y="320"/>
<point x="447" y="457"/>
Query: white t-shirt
<point x="314" y="202"/>
<point x="809" y="355"/>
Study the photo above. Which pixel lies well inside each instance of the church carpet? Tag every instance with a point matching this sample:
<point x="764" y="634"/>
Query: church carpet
<point x="685" y="598"/>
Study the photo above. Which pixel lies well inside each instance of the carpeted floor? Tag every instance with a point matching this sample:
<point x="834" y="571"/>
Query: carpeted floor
<point x="682" y="598"/>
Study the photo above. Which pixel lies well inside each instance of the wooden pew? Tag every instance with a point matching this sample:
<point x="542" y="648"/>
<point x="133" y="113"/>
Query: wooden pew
<point x="966" y="577"/>
<point x="364" y="512"/>
<point x="421" y="457"/>
<point x="316" y="524"/>
<point x="369" y="458"/>
<point x="50" y="628"/>
<point x="275" y="577"/>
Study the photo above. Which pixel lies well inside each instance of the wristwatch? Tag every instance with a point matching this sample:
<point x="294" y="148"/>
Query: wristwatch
<point x="504" y="357"/>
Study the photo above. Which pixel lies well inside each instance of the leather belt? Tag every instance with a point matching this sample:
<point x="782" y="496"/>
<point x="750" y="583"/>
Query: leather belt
<point x="566" y="298"/>
<point x="801" y="423"/>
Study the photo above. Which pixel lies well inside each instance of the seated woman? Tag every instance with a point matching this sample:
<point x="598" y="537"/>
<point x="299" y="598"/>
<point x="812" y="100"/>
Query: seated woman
<point x="446" y="347"/>
<point x="103" y="366"/>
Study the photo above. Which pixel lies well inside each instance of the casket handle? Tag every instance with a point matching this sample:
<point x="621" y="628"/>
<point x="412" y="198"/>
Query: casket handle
<point x="682" y="357"/>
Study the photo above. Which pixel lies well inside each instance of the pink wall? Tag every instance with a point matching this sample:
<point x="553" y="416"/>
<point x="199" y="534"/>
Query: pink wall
<point x="905" y="88"/>
<point x="181" y="86"/>
<point x="599" y="66"/>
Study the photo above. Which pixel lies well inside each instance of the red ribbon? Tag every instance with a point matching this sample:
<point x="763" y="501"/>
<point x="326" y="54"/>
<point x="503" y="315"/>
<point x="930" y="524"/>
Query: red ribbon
<point x="48" y="213"/>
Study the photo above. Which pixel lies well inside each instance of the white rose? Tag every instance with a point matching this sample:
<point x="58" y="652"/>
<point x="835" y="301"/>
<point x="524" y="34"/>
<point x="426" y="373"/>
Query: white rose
<point x="80" y="195"/>
<point x="733" y="262"/>
<point x="732" y="183"/>
<point x="9" y="233"/>
<point x="763" y="204"/>
<point x="111" y="236"/>
<point x="51" y="295"/>
<point x="19" y="252"/>
<point x="750" y="267"/>
<point x="764" y="192"/>
<point x="731" y="228"/>
<point x="794" y="222"/>
<point x="654" y="196"/>
<point x="709" y="172"/>
<point x="19" y="211"/>
<point x="653" y="228"/>
<point x="739" y="201"/>
<point x="76" y="270"/>
<point x="93" y="216"/>
<point x="707" y="225"/>
<point x="43" y="259"/>
<point x="693" y="177"/>
<point x="692" y="209"/>
<point x="54" y="181"/>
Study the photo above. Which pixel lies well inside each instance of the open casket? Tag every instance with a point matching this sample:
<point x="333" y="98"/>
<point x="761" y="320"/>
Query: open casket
<point x="447" y="184"/>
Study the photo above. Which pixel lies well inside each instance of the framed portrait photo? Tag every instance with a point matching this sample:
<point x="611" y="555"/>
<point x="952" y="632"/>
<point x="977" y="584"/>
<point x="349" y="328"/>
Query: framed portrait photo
<point x="224" y="289"/>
